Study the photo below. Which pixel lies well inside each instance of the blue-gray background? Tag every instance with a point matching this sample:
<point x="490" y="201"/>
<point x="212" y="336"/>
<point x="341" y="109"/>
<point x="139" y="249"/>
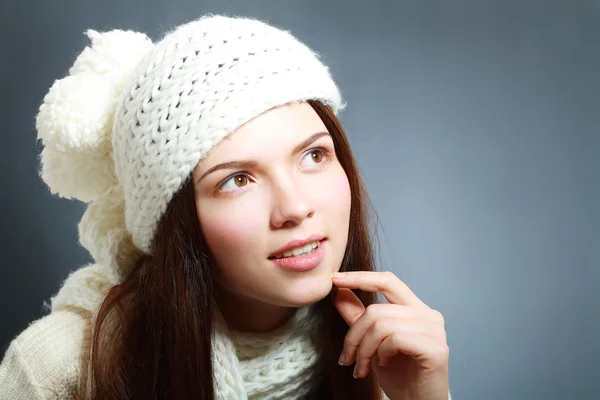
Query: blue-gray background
<point x="476" y="126"/>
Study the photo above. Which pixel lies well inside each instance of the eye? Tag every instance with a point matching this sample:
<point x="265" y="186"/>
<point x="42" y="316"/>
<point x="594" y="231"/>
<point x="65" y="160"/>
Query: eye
<point x="318" y="155"/>
<point x="239" y="180"/>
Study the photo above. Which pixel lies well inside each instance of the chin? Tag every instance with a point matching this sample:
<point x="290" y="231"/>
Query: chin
<point x="307" y="293"/>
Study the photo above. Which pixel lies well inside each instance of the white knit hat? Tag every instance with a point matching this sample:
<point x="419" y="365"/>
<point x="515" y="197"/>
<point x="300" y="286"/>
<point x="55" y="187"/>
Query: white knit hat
<point x="132" y="119"/>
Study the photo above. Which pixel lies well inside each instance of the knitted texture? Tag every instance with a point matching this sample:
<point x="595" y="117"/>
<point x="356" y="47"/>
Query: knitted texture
<point x="43" y="362"/>
<point x="281" y="364"/>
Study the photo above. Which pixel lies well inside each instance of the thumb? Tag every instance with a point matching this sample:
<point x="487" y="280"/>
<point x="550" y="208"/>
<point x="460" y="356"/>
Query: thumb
<point x="348" y="304"/>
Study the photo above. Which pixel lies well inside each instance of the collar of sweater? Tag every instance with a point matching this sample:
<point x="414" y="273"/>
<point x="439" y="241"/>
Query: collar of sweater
<point x="280" y="364"/>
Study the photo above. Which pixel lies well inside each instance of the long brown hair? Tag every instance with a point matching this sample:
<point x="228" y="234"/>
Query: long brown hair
<point x="151" y="336"/>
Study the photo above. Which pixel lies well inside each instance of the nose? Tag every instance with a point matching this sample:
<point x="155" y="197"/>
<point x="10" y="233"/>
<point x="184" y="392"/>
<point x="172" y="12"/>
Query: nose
<point x="291" y="204"/>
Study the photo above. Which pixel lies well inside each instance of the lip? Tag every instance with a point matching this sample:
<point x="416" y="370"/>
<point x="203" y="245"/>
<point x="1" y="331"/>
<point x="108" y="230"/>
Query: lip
<point x="302" y="263"/>
<point x="297" y="243"/>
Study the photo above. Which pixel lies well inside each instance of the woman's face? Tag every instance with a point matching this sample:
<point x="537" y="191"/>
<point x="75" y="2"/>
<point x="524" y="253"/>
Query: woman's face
<point x="247" y="212"/>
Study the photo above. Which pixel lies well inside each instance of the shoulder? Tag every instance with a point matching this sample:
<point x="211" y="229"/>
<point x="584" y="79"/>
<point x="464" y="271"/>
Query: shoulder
<point x="44" y="361"/>
<point x="86" y="287"/>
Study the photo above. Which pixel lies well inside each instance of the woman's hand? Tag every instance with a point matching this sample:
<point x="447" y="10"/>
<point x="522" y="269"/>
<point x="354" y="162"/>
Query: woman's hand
<point x="403" y="342"/>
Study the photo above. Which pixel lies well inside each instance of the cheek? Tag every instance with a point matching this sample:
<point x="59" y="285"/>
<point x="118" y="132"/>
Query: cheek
<point x="336" y="198"/>
<point x="230" y="233"/>
<point x="336" y="205"/>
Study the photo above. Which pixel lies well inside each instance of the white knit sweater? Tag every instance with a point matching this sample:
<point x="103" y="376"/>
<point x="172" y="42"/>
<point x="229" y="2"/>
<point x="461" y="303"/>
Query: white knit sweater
<point x="43" y="362"/>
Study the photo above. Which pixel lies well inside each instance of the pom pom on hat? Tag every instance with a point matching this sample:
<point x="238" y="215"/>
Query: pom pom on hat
<point x="76" y="117"/>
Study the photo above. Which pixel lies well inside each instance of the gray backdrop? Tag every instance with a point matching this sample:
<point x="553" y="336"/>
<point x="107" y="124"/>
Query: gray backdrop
<point x="475" y="124"/>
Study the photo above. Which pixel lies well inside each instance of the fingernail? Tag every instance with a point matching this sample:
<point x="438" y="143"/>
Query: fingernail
<point x="342" y="359"/>
<point x="339" y="275"/>
<point x="354" y="375"/>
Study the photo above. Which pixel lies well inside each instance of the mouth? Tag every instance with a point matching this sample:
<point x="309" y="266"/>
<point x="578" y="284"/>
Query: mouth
<point x="305" y="258"/>
<point x="298" y="252"/>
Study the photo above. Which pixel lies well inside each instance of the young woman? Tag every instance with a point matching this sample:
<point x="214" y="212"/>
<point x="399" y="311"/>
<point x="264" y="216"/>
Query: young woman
<point x="224" y="202"/>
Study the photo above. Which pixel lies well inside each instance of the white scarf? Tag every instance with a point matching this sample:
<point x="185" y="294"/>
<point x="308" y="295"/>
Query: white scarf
<point x="276" y="365"/>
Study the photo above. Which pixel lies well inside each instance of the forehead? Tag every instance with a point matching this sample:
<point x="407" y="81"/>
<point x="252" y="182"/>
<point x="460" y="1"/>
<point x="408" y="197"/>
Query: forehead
<point x="279" y="128"/>
<point x="287" y="121"/>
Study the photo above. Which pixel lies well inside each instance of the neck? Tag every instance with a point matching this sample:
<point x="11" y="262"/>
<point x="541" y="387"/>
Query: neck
<point x="244" y="314"/>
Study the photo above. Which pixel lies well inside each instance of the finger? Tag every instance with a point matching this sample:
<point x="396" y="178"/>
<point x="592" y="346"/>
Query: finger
<point x="394" y="290"/>
<point x="369" y="344"/>
<point x="405" y="317"/>
<point x="371" y="315"/>
<point x="427" y="351"/>
<point x="349" y="305"/>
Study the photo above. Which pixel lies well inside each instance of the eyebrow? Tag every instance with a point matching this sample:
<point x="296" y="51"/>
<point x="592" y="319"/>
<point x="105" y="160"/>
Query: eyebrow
<point x="246" y="164"/>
